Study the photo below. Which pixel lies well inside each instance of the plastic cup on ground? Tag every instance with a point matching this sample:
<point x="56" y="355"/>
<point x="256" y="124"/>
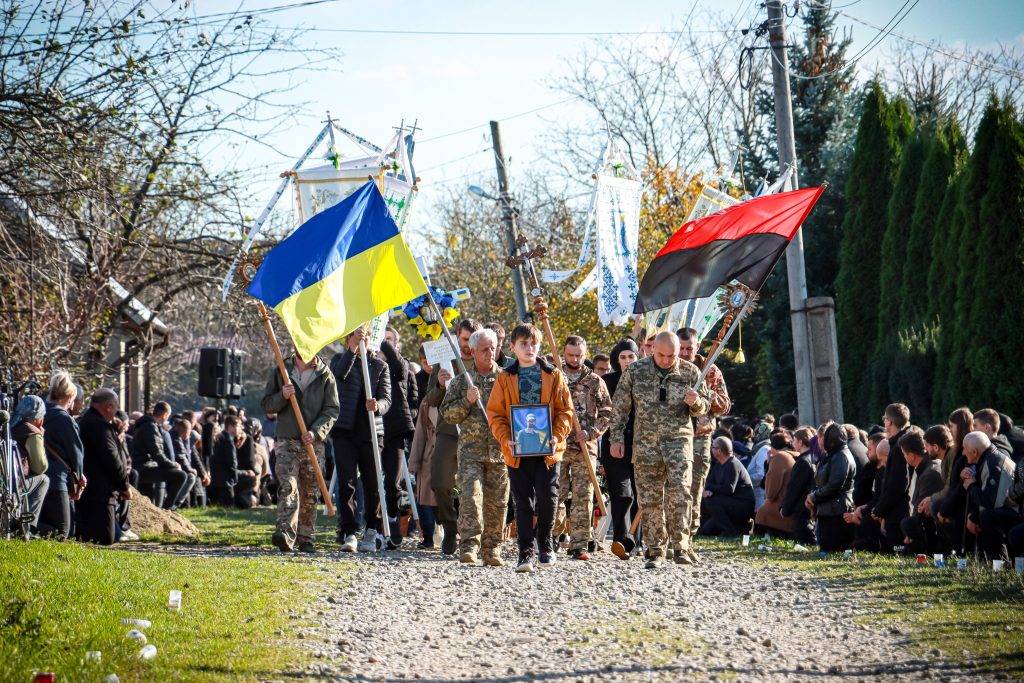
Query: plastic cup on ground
<point x="922" y="559"/>
<point x="848" y="553"/>
<point x="961" y="563"/>
<point x="137" y="623"/>
<point x="44" y="677"/>
<point x="112" y="678"/>
<point x="138" y="636"/>
<point x="997" y="565"/>
<point x="174" y="600"/>
<point x="800" y="548"/>
<point x="940" y="560"/>
<point x="147" y="653"/>
<point x="93" y="656"/>
<point x="746" y="540"/>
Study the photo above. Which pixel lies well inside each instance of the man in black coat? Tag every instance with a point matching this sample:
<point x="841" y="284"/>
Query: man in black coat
<point x="1014" y="436"/>
<point x="919" y="533"/>
<point x="351" y="434"/>
<point x="618" y="472"/>
<point x="105" y="469"/>
<point x="224" y="471"/>
<point x="399" y="425"/>
<point x="893" y="505"/>
<point x="867" y="533"/>
<point x="987" y="481"/>
<point x="728" y="505"/>
<point x="151" y="459"/>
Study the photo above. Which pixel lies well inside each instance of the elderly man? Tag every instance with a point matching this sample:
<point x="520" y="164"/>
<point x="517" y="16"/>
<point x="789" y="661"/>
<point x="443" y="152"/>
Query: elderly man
<point x="593" y="410"/>
<point x="987" y="481"/>
<point x="661" y="391"/>
<point x="728" y="498"/>
<point x="720" y="404"/>
<point x="483" y="495"/>
<point x="105" y="468"/>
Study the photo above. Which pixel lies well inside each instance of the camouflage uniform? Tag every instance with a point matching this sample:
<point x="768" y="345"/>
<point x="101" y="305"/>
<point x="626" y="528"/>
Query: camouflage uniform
<point x="593" y="407"/>
<point x="662" y="446"/>
<point x="704" y="428"/>
<point x="297" y="489"/>
<point x="483" y="475"/>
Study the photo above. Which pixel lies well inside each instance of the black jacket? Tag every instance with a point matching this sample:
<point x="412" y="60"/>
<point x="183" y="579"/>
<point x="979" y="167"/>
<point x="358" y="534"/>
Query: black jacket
<point x="422" y="380"/>
<point x="611" y="380"/>
<point x="954" y="497"/>
<point x="984" y="493"/>
<point x="60" y="432"/>
<point x="833" y="484"/>
<point x="148" y="445"/>
<point x="860" y="454"/>
<point x="399" y="420"/>
<point x="348" y="374"/>
<point x="928" y="481"/>
<point x="104" y="464"/>
<point x="894" y="503"/>
<point x="1015" y="436"/>
<point x="730" y="479"/>
<point x="864" y="483"/>
<point x="224" y="463"/>
<point x="1003" y="445"/>
<point x="801" y="481"/>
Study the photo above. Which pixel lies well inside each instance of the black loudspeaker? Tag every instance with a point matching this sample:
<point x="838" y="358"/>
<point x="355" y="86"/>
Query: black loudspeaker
<point x="220" y="373"/>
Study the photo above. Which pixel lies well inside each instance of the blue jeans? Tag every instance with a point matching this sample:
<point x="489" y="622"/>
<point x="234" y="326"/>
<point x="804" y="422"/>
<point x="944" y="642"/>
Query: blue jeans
<point x="428" y="522"/>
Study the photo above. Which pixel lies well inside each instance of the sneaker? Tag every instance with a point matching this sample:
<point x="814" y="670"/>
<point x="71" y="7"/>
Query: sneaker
<point x="128" y="535"/>
<point x="349" y="543"/>
<point x="619" y="550"/>
<point x="368" y="543"/>
<point x="468" y="557"/>
<point x="580" y="554"/>
<point x="563" y="541"/>
<point x="493" y="559"/>
<point x="394" y="543"/>
<point x="656" y="562"/>
<point x="546" y="559"/>
<point x="525" y="564"/>
<point x="307" y="547"/>
<point x="280" y="542"/>
<point x="423" y="545"/>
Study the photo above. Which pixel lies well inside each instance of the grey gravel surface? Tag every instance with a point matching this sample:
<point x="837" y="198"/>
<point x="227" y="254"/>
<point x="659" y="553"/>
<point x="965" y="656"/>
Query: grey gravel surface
<point x="413" y="615"/>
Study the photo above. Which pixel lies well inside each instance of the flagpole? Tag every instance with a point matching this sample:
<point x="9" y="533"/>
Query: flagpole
<point x="385" y="522"/>
<point x="310" y="453"/>
<point x="455" y="348"/>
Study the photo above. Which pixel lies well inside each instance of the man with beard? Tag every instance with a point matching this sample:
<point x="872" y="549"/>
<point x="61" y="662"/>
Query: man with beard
<point x="593" y="407"/>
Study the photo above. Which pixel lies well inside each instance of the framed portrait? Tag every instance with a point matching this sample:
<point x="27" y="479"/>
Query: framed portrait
<point x="531" y="429"/>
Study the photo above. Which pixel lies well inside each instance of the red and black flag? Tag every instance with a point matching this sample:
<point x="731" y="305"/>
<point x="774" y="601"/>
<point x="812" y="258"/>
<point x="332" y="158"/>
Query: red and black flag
<point x="742" y="242"/>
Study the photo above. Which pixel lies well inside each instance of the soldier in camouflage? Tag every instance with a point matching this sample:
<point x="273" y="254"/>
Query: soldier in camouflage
<point x="483" y="475"/>
<point x="663" y="392"/>
<point x="593" y="407"/>
<point x="704" y="427"/>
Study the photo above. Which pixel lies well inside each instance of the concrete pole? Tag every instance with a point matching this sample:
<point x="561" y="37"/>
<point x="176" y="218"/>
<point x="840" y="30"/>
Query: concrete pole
<point x="508" y="219"/>
<point x="795" y="271"/>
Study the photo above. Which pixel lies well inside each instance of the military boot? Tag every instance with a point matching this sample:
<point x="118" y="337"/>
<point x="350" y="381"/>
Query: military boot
<point x="492" y="558"/>
<point x="451" y="538"/>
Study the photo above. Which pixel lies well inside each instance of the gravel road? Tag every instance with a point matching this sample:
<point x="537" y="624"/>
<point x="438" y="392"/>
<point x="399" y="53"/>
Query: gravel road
<point x="412" y="615"/>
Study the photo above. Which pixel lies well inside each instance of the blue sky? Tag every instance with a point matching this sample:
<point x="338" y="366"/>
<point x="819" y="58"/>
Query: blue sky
<point x="450" y="83"/>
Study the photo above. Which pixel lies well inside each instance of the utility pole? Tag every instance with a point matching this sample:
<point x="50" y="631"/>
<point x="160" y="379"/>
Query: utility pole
<point x="508" y="218"/>
<point x="795" y="272"/>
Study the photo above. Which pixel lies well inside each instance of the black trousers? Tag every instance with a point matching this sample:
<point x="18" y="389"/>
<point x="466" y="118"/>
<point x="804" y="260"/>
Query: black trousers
<point x="444" y="465"/>
<point x="995" y="529"/>
<point x="55" y="516"/>
<point x="726" y="515"/>
<point x="247" y="491"/>
<point x="922" y="533"/>
<point x="833" y="533"/>
<point x="802" y="527"/>
<point x="867" y="535"/>
<point x="354" y="456"/>
<point x="391" y="458"/>
<point x="96" y="515"/>
<point x="221" y="494"/>
<point x="619" y="478"/>
<point x="534" y="487"/>
<point x="176" y="482"/>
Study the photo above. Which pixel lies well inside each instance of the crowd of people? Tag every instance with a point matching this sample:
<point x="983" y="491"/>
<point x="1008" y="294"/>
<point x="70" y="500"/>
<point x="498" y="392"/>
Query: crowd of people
<point x="671" y="461"/>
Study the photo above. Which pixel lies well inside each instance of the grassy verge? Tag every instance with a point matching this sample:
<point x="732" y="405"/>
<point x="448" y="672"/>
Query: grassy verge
<point x="61" y="600"/>
<point x="244" y="528"/>
<point x="972" y="615"/>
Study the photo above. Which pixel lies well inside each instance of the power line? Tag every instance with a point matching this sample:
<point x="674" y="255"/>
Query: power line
<point x="503" y="34"/>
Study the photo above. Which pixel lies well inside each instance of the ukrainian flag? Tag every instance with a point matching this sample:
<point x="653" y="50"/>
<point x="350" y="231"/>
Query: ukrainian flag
<point x="341" y="268"/>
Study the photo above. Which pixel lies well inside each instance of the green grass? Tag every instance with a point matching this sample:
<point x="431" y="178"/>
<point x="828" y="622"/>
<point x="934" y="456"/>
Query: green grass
<point x="244" y="528"/>
<point x="954" y="611"/>
<point x="60" y="600"/>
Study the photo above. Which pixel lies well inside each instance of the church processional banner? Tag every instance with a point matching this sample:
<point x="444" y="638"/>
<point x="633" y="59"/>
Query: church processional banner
<point x="322" y="187"/>
<point x="617" y="224"/>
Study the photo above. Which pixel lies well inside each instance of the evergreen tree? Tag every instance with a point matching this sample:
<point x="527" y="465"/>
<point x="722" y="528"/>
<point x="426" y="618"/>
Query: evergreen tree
<point x="880" y="134"/>
<point x="954" y="332"/>
<point x="991" y="333"/>
<point x="914" y="366"/>
<point x="891" y="260"/>
<point x="942" y="288"/>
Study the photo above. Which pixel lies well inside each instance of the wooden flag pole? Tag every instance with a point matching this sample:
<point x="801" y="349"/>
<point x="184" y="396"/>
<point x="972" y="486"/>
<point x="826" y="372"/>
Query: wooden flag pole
<point x="272" y="338"/>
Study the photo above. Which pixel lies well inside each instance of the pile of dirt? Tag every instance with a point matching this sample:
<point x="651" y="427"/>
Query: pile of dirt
<point x="147" y="518"/>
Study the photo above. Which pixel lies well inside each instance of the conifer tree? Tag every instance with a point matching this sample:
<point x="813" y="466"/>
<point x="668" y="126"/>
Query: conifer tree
<point x="880" y="134"/>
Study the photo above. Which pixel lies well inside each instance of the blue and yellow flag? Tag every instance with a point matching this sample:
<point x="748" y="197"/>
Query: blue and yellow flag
<point x="341" y="268"/>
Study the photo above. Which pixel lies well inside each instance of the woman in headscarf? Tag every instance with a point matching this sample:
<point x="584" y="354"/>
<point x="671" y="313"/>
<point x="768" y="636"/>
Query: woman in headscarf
<point x="27" y="432"/>
<point x="618" y="472"/>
